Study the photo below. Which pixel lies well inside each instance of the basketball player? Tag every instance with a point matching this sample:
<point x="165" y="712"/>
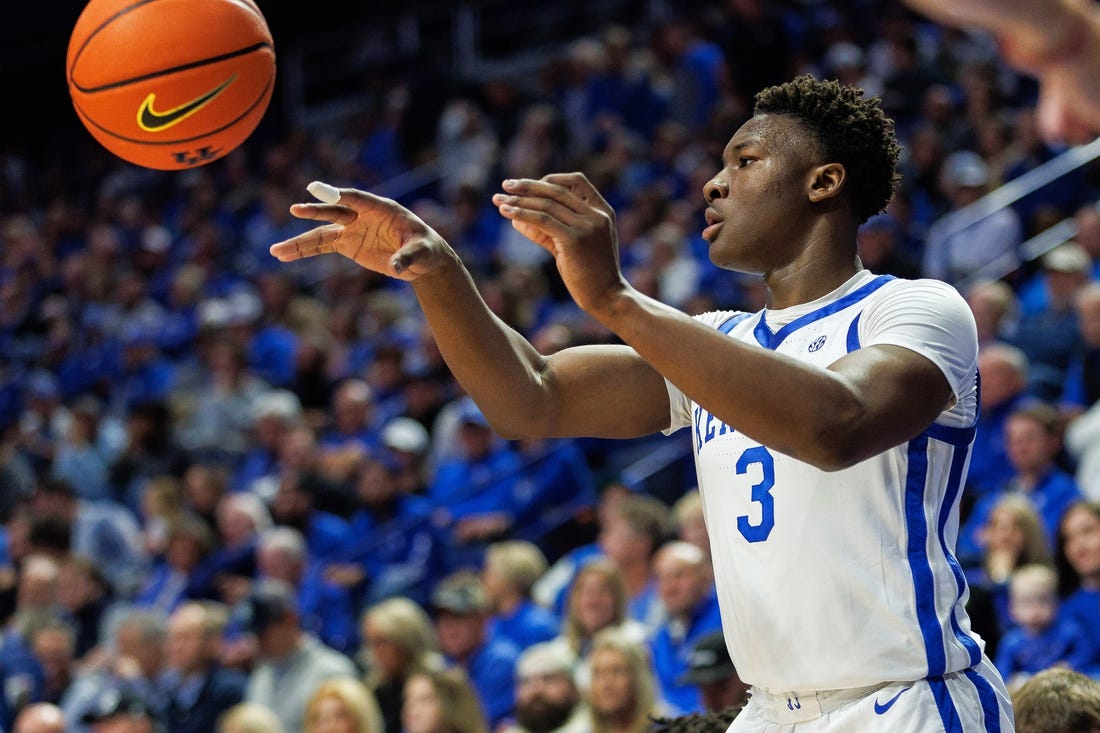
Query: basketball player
<point x="831" y="430"/>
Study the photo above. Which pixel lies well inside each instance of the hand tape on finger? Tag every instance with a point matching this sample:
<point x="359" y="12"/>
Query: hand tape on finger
<point x="323" y="192"/>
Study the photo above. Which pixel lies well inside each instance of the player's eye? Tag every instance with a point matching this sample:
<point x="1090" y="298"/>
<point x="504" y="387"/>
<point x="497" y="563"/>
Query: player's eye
<point x="742" y="162"/>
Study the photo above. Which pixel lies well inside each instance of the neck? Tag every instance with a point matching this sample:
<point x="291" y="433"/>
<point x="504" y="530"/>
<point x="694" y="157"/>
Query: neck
<point x="621" y="722"/>
<point x="636" y="577"/>
<point x="820" y="267"/>
<point x="508" y="604"/>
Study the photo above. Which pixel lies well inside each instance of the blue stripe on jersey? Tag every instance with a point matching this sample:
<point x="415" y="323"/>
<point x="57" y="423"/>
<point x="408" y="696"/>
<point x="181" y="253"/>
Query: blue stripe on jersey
<point x="919" y="565"/>
<point x="991" y="709"/>
<point x="958" y="437"/>
<point x="771" y="341"/>
<point x="853" y="333"/>
<point x="954" y="485"/>
<point x="949" y="716"/>
<point x="732" y="321"/>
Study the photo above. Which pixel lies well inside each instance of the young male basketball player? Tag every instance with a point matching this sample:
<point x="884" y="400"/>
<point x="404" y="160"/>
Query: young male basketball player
<point x="831" y="430"/>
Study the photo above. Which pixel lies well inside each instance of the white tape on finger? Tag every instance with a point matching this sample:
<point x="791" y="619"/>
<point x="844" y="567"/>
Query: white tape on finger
<point x="323" y="192"/>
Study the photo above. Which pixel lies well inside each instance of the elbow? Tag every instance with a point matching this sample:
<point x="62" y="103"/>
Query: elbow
<point x="836" y="443"/>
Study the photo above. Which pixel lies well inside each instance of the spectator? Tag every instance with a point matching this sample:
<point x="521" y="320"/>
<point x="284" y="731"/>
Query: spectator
<point x="1012" y="536"/>
<point x="1039" y="639"/>
<point x="1082" y="381"/>
<point x="623" y="697"/>
<point x="324" y="609"/>
<point x="1033" y="443"/>
<point x="952" y="253"/>
<point x="685" y="587"/>
<point x="547" y="699"/>
<point x="1003" y="371"/>
<point x="274" y="413"/>
<point x="197" y="689"/>
<point x="150" y="450"/>
<point x="393" y="549"/>
<point x="710" y="668"/>
<point x="1057" y="700"/>
<point x="399" y="641"/>
<point x="342" y="705"/>
<point x="353" y="433"/>
<point x="994" y="305"/>
<point x="291" y="663"/>
<point x="53" y="643"/>
<point x="511" y="569"/>
<point x="103" y="531"/>
<point x="1078" y="562"/>
<point x="442" y="701"/>
<point x="190" y="541"/>
<point x="250" y="717"/>
<point x="295" y="506"/>
<point x="225" y="575"/>
<point x="690" y="526"/>
<point x="597" y="600"/>
<point x="461" y="620"/>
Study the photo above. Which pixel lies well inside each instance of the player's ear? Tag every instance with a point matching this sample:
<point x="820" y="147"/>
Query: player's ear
<point x="826" y="181"/>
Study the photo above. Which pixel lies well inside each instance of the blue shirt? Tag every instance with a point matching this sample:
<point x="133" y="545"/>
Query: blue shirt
<point x="671" y="648"/>
<point x="492" y="671"/>
<point x="1055" y="492"/>
<point x="1063" y="642"/>
<point x="1082" y="608"/>
<point x="528" y="624"/>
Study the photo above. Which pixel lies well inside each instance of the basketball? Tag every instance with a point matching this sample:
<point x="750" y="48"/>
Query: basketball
<point x="171" y="84"/>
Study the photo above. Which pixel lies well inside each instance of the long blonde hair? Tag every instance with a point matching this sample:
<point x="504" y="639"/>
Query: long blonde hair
<point x="405" y="624"/>
<point x="356" y="699"/>
<point x="459" y="705"/>
<point x="609" y="572"/>
<point x="642" y="681"/>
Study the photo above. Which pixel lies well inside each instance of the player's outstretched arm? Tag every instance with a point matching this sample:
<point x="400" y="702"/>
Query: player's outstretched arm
<point x="1057" y="41"/>
<point x="871" y="400"/>
<point x="605" y="391"/>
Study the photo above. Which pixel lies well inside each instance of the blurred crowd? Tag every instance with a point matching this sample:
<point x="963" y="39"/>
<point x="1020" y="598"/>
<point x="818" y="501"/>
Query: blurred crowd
<point x="250" y="495"/>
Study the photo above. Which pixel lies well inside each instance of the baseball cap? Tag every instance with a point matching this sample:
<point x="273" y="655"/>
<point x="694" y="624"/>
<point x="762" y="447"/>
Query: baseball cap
<point x="966" y="168"/>
<point x="460" y="593"/>
<point x="268" y="601"/>
<point x="116" y="701"/>
<point x="709" y="661"/>
<point x="405" y="434"/>
<point x="1068" y="257"/>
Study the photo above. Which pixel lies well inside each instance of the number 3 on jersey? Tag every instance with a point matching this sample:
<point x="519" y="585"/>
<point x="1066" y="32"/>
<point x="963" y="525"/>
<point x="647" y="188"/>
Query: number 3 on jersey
<point x="761" y="493"/>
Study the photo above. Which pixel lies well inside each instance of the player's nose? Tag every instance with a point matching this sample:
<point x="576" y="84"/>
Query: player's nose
<point x="715" y="189"/>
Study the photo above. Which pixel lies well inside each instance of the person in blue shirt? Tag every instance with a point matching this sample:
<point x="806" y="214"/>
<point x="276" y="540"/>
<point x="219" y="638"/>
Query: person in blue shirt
<point x="1004" y="374"/>
<point x="556" y="487"/>
<point x="684" y="584"/>
<point x="294" y="506"/>
<point x="472" y="494"/>
<point x="393" y="547"/>
<point x="461" y="620"/>
<point x="1082" y="382"/>
<point x="1079" y="572"/>
<point x="511" y="568"/>
<point x="1040" y="638"/>
<point x="1033" y="442"/>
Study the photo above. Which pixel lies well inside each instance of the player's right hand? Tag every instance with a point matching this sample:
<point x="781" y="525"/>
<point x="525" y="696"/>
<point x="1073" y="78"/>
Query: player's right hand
<point x="377" y="233"/>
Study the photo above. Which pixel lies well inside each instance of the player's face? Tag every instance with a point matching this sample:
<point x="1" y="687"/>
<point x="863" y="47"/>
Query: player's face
<point x="756" y="205"/>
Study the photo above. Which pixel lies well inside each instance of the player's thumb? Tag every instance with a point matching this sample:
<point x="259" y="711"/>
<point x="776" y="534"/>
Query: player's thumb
<point x="415" y="258"/>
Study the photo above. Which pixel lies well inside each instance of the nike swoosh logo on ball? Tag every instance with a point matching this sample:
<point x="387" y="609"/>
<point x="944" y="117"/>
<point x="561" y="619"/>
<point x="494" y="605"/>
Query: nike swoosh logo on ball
<point x="150" y="120"/>
<point x="881" y="708"/>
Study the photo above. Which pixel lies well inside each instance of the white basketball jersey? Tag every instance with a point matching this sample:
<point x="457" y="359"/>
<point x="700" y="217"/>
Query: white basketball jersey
<point x="831" y="580"/>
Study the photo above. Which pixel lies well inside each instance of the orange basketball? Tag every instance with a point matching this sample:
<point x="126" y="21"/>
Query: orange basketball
<point x="171" y="84"/>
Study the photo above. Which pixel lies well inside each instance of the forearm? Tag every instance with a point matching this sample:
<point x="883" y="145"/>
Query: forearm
<point x="805" y="412"/>
<point x="496" y="365"/>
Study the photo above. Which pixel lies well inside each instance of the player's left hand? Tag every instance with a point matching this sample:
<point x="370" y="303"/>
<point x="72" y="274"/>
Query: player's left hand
<point x="564" y="214"/>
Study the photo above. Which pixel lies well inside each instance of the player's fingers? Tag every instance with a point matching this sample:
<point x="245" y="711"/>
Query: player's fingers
<point x="335" y="213"/>
<point x="317" y="241"/>
<point x="551" y="208"/>
<point x="581" y="187"/>
<point x="543" y="189"/>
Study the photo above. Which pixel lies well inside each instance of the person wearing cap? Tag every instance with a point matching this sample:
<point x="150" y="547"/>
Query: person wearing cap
<point x="290" y="662"/>
<point x="1048" y="330"/>
<point x="952" y="254"/>
<point x="393" y="547"/>
<point x="710" y="669"/>
<point x="274" y="413"/>
<point x="547" y="698"/>
<point x="461" y="610"/>
<point x="684" y="583"/>
<point x="197" y="689"/>
<point x="473" y="493"/>
<point x="121" y="710"/>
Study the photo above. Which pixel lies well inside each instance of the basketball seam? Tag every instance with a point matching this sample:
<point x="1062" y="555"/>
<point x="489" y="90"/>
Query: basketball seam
<point x="263" y="94"/>
<point x="184" y="67"/>
<point x="101" y="26"/>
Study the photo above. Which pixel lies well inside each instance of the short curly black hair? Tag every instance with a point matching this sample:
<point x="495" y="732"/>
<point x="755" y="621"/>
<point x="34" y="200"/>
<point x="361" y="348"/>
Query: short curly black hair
<point x="853" y="131"/>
